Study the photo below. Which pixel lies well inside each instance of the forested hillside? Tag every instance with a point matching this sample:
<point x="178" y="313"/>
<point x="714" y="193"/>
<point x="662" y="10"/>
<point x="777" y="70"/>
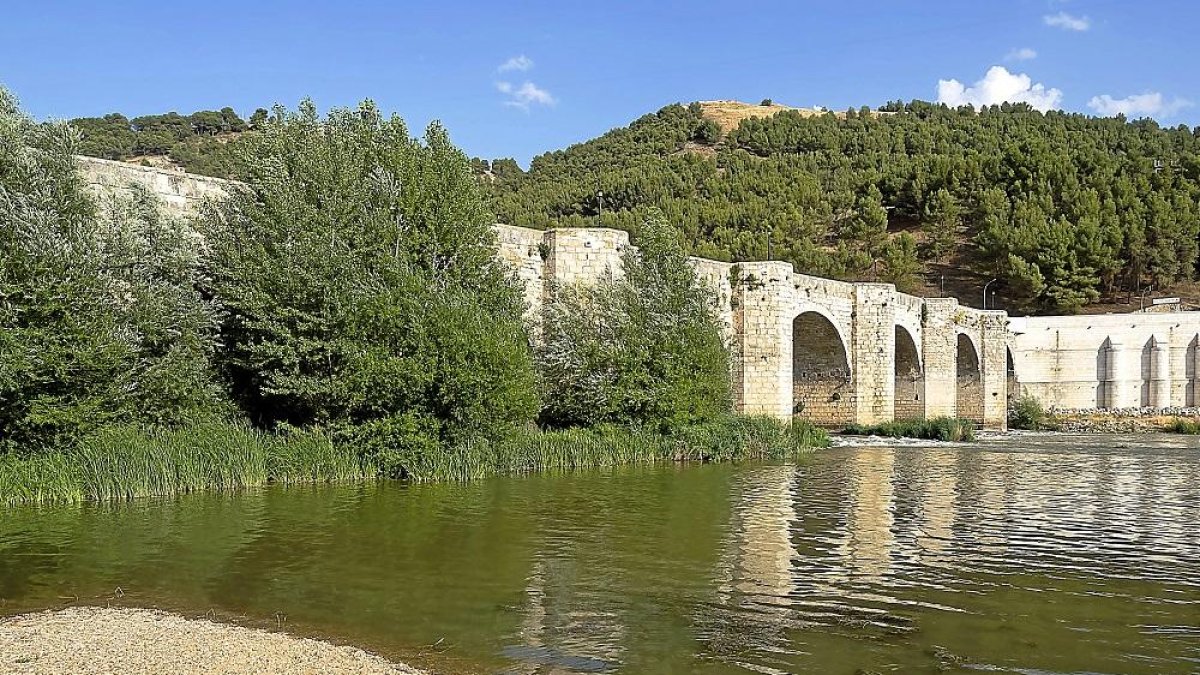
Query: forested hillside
<point x="1063" y="208"/>
<point x="198" y="143"/>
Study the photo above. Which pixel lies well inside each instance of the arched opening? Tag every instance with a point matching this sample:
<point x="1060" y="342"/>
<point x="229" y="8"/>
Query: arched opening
<point x="970" y="381"/>
<point x="1146" y="384"/>
<point x="821" y="390"/>
<point x="1014" y="383"/>
<point x="1104" y="383"/>
<point x="910" y="378"/>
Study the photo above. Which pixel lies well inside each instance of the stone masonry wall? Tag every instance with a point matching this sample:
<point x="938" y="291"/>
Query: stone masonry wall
<point x="524" y="251"/>
<point x="1108" y="361"/>
<point x="939" y="356"/>
<point x="969" y="379"/>
<point x="181" y="193"/>
<point x="993" y="339"/>
<point x="909" y="378"/>
<point x="874" y="348"/>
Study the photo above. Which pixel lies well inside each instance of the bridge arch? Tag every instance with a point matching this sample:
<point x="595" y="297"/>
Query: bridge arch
<point x="909" y="377"/>
<point x="1010" y="375"/>
<point x="969" y="380"/>
<point x="821" y="378"/>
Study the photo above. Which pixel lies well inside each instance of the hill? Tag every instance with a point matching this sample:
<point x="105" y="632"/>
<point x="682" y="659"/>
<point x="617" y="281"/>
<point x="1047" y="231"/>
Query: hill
<point x="1068" y="212"/>
<point x="197" y="143"/>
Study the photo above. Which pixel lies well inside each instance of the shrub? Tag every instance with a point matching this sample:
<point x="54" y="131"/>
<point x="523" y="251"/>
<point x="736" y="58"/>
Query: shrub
<point x="1180" y="425"/>
<point x="100" y="320"/>
<point x="1029" y="414"/>
<point x="708" y="132"/>
<point x="936" y="429"/>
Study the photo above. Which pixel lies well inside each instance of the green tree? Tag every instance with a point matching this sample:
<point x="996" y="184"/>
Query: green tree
<point x="259" y="118"/>
<point x="942" y="219"/>
<point x="361" y="287"/>
<point x="900" y="263"/>
<point x="108" y="137"/>
<point x="708" y="132"/>
<point x="643" y="348"/>
<point x="100" y="321"/>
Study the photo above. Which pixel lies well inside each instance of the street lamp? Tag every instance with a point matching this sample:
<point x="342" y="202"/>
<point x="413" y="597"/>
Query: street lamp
<point x="600" y="197"/>
<point x="985" y="287"/>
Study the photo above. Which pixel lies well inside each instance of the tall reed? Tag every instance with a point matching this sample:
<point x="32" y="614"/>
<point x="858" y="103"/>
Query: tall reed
<point x="734" y="438"/>
<point x="127" y="462"/>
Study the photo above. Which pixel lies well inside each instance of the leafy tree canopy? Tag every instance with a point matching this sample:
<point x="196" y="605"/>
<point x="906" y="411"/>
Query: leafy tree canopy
<point x="361" y="288"/>
<point x="100" y="321"/>
<point x="643" y="348"/>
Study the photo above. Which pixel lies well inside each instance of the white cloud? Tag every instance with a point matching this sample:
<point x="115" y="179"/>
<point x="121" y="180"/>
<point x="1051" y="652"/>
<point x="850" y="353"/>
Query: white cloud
<point x="525" y="95"/>
<point x="998" y="86"/>
<point x="521" y="63"/>
<point x="1139" y="105"/>
<point x="1022" y="54"/>
<point x="1067" y="22"/>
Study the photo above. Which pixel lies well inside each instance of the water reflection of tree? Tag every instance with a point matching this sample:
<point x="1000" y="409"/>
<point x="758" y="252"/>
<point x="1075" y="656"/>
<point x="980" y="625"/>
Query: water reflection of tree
<point x="616" y="571"/>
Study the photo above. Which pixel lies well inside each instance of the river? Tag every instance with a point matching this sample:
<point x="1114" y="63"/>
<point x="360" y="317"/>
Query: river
<point x="1026" y="554"/>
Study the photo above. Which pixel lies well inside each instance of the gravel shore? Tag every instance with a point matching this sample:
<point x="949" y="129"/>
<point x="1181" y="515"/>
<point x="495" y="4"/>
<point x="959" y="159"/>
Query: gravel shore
<point x="98" y="640"/>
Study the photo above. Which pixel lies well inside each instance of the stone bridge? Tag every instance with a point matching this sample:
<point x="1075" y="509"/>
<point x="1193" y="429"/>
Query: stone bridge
<point x="830" y="351"/>
<point x="838" y="352"/>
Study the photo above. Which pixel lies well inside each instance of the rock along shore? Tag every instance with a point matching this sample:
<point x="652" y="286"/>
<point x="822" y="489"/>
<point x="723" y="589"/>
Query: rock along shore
<point x="1120" y="420"/>
<point x="98" y="640"/>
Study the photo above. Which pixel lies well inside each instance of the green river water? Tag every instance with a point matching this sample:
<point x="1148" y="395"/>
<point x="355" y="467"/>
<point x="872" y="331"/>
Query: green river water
<point x="1028" y="554"/>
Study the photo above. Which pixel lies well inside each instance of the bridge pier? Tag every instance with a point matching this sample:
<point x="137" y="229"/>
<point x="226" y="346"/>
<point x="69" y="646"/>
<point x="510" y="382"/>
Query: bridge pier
<point x="761" y="344"/>
<point x="993" y="331"/>
<point x="873" y="348"/>
<point x="939" y="351"/>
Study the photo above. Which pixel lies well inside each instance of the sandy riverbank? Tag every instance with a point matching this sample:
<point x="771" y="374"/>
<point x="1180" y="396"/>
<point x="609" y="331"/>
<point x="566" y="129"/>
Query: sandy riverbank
<point x="95" y="640"/>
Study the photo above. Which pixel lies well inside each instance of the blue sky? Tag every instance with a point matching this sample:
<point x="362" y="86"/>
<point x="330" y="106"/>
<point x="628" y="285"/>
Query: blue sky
<point x="517" y="79"/>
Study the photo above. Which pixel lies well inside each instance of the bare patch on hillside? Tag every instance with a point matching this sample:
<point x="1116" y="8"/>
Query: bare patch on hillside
<point x="729" y="114"/>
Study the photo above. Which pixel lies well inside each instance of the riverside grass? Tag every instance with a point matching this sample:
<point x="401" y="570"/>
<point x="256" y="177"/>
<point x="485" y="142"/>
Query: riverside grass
<point x="936" y="429"/>
<point x="130" y="462"/>
<point x="735" y="438"/>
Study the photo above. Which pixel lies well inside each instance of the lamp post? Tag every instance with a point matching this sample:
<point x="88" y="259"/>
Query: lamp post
<point x="985" y="287"/>
<point x="600" y="214"/>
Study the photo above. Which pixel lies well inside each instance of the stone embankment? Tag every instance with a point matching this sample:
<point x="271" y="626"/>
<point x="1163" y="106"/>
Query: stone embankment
<point x="1120" y="420"/>
<point x="97" y="640"/>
